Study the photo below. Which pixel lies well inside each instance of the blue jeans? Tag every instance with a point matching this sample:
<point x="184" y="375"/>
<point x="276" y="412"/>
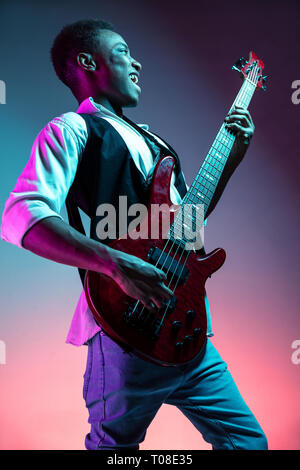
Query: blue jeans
<point x="124" y="392"/>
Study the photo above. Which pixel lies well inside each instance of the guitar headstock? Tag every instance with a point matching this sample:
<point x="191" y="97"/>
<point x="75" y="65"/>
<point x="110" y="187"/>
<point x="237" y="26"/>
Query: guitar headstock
<point x="252" y="70"/>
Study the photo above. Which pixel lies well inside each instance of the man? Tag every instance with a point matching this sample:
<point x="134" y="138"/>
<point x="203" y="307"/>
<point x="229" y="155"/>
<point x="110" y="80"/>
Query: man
<point x="84" y="155"/>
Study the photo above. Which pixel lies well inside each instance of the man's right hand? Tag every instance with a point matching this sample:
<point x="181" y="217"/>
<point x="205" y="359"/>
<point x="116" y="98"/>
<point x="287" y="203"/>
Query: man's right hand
<point x="139" y="279"/>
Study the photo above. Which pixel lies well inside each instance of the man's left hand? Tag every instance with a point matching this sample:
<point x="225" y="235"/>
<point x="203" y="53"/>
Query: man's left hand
<point x="239" y="122"/>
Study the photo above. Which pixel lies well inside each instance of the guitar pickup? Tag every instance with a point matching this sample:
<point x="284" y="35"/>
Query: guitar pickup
<point x="168" y="264"/>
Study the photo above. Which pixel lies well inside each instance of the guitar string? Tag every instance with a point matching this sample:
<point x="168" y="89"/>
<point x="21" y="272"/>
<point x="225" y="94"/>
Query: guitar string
<point x="242" y="93"/>
<point x="141" y="312"/>
<point x="168" y="241"/>
<point x="241" y="97"/>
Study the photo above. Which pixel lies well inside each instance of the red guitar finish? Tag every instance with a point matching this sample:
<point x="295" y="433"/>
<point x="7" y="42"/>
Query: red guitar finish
<point x="183" y="331"/>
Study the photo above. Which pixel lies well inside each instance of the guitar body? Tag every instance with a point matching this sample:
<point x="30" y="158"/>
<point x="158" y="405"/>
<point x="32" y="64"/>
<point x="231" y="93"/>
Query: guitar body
<point x="171" y="336"/>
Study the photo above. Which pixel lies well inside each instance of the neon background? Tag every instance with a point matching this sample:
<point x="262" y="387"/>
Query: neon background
<point x="186" y="49"/>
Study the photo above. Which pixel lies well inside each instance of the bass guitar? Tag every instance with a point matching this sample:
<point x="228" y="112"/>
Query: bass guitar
<point x="176" y="333"/>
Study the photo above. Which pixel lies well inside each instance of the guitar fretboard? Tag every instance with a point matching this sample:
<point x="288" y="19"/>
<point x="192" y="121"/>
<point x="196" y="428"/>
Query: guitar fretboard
<point x="208" y="176"/>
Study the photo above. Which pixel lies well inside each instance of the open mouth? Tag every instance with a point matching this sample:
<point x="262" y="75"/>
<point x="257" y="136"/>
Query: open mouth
<point x="134" y="77"/>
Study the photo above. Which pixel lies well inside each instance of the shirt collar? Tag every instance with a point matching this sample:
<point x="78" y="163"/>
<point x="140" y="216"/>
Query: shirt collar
<point x="89" y="106"/>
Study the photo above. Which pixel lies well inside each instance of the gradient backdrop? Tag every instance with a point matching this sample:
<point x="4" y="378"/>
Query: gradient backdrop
<point x="186" y="49"/>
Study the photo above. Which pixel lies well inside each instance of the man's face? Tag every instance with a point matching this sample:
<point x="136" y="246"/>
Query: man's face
<point x="115" y="67"/>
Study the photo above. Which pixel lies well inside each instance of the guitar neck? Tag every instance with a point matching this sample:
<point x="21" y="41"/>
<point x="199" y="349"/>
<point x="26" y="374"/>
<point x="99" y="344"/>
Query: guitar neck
<point x="207" y="179"/>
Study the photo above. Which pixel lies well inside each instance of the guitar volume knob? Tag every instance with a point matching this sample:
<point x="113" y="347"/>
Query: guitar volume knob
<point x="188" y="338"/>
<point x="197" y="331"/>
<point x="190" y="314"/>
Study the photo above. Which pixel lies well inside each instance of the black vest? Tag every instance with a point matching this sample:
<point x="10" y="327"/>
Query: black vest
<point x="107" y="171"/>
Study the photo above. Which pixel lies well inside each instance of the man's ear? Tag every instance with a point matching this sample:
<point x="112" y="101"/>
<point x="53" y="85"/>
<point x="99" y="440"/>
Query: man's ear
<point x="86" y="61"/>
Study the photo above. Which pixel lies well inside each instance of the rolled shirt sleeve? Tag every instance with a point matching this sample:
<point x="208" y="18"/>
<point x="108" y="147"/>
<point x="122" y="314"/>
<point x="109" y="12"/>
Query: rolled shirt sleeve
<point x="42" y="187"/>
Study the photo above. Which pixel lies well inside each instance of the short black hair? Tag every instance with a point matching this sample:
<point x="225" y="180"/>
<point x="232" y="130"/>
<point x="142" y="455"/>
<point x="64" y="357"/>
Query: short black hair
<point x="81" y="36"/>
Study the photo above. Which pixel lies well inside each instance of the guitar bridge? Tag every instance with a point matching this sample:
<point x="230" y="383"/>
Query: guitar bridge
<point x="144" y="321"/>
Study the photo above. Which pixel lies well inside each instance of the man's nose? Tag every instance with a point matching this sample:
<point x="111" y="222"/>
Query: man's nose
<point x="136" y="65"/>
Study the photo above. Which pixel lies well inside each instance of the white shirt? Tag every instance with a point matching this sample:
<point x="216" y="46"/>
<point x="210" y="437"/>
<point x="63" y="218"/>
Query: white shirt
<point x="42" y="187"/>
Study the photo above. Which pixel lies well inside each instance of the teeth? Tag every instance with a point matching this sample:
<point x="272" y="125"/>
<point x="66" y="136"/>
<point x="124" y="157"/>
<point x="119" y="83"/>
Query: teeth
<point x="134" y="78"/>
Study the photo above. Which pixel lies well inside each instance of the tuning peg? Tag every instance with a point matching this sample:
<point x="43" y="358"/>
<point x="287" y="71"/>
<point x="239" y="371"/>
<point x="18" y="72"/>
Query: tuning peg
<point x="264" y="87"/>
<point x="264" y="79"/>
<point x="242" y="62"/>
<point x="239" y="64"/>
